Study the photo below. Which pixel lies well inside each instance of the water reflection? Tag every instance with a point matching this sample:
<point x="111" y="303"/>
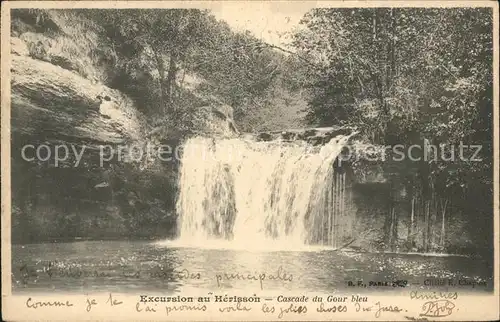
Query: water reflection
<point x="134" y="266"/>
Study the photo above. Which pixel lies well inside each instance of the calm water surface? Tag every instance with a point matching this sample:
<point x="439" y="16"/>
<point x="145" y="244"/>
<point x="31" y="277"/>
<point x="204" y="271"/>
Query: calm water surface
<point x="132" y="266"/>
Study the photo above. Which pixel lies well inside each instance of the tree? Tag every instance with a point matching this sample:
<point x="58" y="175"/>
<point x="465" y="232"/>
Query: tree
<point x="157" y="40"/>
<point x="408" y="76"/>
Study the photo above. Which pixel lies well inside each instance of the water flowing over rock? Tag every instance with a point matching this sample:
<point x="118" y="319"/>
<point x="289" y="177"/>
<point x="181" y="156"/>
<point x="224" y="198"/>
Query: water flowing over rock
<point x="249" y="191"/>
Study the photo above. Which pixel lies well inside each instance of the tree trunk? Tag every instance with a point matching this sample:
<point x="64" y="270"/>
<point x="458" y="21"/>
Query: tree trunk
<point x="374" y="24"/>
<point x="171" y="76"/>
<point x="323" y="214"/>
<point x="427" y="225"/>
<point x="392" y="52"/>
<point x="161" y="71"/>
<point x="443" y="220"/>
<point x="424" y="225"/>
<point x="330" y="211"/>
<point x="392" y="228"/>
<point x="410" y="240"/>
<point x="335" y="210"/>
<point x="342" y="210"/>
<point x="433" y="218"/>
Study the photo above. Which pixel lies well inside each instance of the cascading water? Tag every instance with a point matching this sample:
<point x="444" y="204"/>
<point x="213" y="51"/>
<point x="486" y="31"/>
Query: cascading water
<point x="248" y="192"/>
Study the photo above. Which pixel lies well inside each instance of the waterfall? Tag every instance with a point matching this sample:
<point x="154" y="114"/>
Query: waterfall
<point x="247" y="191"/>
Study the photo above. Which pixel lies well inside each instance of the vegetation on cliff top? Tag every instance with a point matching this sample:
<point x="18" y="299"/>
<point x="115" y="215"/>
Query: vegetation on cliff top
<point x="171" y="62"/>
<point x="401" y="75"/>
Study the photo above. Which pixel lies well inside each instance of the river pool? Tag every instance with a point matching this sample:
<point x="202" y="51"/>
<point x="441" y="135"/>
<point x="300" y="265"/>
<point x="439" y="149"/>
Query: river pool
<point x="133" y="266"/>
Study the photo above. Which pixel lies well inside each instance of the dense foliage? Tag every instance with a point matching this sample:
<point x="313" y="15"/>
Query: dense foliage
<point x="411" y="76"/>
<point x="171" y="61"/>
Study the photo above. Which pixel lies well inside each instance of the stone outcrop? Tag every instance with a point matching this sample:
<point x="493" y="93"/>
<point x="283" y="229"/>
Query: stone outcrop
<point x="59" y="98"/>
<point x="52" y="102"/>
<point x="314" y="136"/>
<point x="364" y="159"/>
<point x="18" y="47"/>
<point x="55" y="100"/>
<point x="215" y="121"/>
<point x="208" y="118"/>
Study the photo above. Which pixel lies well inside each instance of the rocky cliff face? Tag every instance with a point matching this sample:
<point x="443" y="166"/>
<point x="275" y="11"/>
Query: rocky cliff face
<point x="61" y="96"/>
<point x="56" y="101"/>
<point x="53" y="102"/>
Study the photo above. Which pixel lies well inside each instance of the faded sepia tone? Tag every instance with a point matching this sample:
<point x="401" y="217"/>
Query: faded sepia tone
<point x="250" y="160"/>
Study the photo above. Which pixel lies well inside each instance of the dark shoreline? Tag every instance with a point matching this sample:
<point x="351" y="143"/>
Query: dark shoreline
<point x="92" y="239"/>
<point x="160" y="238"/>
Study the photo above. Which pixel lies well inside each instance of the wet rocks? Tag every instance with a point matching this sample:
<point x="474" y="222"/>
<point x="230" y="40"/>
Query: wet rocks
<point x="314" y="136"/>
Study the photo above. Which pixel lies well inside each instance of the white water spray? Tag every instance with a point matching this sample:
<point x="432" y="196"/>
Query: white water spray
<point x="255" y="192"/>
